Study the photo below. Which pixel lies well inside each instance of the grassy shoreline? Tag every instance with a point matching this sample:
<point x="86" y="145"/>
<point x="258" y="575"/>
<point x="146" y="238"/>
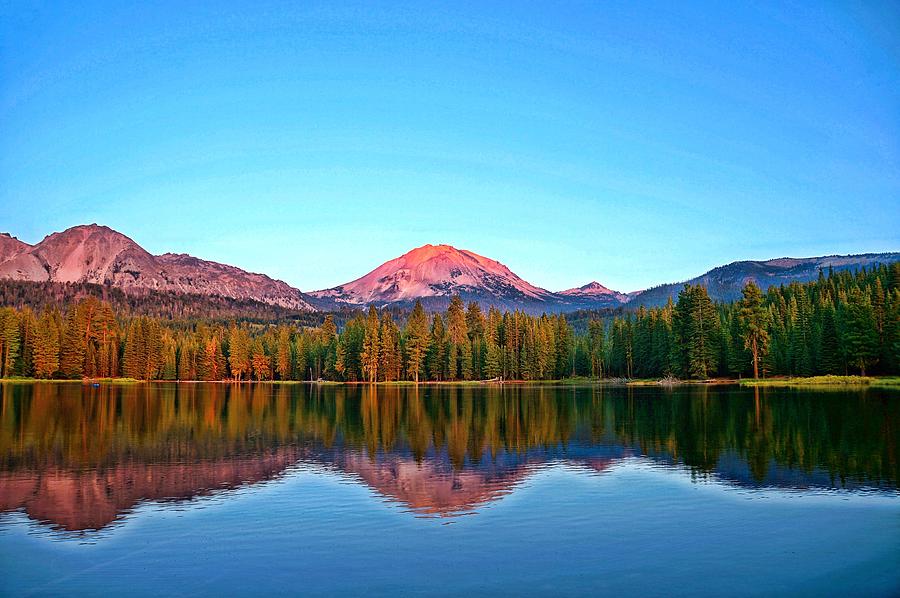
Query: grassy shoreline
<point x="843" y="381"/>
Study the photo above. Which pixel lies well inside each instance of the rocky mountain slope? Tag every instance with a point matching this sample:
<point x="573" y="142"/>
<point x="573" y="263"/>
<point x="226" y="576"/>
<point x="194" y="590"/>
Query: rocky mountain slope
<point x="10" y="247"/>
<point x="431" y="273"/>
<point x="100" y="255"/>
<point x="434" y="273"/>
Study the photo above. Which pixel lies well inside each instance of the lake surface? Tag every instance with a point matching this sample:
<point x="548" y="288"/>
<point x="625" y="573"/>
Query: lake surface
<point x="322" y="490"/>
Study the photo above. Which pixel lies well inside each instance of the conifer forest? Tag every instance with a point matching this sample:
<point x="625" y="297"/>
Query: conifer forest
<point x="842" y="323"/>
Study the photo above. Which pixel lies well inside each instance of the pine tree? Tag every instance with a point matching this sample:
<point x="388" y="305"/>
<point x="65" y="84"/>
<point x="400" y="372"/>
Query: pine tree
<point x="187" y="360"/>
<point x="260" y="362"/>
<point x="9" y="340"/>
<point x="239" y="352"/>
<point x="371" y="346"/>
<point x="860" y="335"/>
<point x="436" y="354"/>
<point x="493" y="357"/>
<point x="829" y="355"/>
<point x="326" y="355"/>
<point x="596" y="346"/>
<point x="45" y="348"/>
<point x="416" y="335"/>
<point x="153" y="348"/>
<point x="211" y="361"/>
<point x="72" y="350"/>
<point x="456" y="335"/>
<point x="753" y="320"/>
<point x="696" y="326"/>
<point x="131" y="361"/>
<point x="169" y="367"/>
<point x="28" y="323"/>
<point x="283" y="356"/>
<point x="390" y="360"/>
<point x="348" y="363"/>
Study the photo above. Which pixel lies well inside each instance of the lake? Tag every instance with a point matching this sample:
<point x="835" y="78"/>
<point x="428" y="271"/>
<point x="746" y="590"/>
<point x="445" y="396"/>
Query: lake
<point x="219" y="489"/>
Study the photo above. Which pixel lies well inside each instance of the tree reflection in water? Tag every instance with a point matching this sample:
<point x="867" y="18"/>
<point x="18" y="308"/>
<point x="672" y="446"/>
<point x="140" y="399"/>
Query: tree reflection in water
<point x="78" y="457"/>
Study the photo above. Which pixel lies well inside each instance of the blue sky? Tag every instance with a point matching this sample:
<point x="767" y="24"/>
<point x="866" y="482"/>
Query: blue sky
<point x="631" y="143"/>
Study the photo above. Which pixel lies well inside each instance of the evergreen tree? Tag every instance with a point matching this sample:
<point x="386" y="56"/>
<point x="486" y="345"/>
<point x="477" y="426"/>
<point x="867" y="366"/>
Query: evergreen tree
<point x="457" y="336"/>
<point x="260" y="362"/>
<point x="169" y="357"/>
<point x="390" y="360"/>
<point x="475" y="323"/>
<point x="753" y="320"/>
<point x="416" y="335"/>
<point x="860" y="334"/>
<point x="326" y="356"/>
<point x="9" y="341"/>
<point x="696" y="326"/>
<point x="72" y="349"/>
<point x="436" y="354"/>
<point x="284" y="366"/>
<point x="829" y="355"/>
<point x="596" y="346"/>
<point x="187" y="359"/>
<point x="371" y="354"/>
<point x="239" y="352"/>
<point x="493" y="367"/>
<point x="45" y="348"/>
<point x="211" y="361"/>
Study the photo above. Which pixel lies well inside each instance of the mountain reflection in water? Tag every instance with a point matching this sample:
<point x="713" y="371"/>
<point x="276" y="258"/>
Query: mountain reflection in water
<point x="78" y="458"/>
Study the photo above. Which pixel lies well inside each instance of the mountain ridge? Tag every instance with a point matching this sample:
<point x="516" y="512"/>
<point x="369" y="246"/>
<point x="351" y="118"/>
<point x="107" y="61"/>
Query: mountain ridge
<point x="724" y="283"/>
<point x="98" y="254"/>
<point x="432" y="274"/>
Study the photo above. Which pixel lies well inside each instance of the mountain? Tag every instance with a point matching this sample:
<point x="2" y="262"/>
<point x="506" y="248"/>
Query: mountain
<point x="594" y="291"/>
<point x="10" y="247"/>
<point x="434" y="273"/>
<point x="100" y="255"/>
<point x="725" y="282"/>
<point x="431" y="273"/>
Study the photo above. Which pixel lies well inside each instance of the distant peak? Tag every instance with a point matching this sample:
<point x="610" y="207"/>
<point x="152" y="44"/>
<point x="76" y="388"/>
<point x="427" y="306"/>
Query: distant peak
<point x="591" y="288"/>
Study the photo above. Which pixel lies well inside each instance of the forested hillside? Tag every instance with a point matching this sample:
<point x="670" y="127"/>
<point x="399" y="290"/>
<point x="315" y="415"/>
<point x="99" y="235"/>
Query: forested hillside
<point x="161" y="304"/>
<point x="725" y="283"/>
<point x="841" y="323"/>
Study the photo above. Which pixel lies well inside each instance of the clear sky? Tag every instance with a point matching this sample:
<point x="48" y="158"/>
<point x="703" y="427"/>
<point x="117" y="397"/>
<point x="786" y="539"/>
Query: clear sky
<point x="634" y="143"/>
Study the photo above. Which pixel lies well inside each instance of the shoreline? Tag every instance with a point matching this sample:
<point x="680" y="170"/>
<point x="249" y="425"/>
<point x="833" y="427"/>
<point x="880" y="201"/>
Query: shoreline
<point x="777" y="382"/>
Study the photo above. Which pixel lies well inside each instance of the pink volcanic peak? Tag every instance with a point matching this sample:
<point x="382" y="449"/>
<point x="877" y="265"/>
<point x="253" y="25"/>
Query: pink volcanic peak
<point x="432" y="270"/>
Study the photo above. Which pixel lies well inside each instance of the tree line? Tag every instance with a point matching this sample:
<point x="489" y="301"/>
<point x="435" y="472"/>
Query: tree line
<point x="170" y="305"/>
<point x="843" y="322"/>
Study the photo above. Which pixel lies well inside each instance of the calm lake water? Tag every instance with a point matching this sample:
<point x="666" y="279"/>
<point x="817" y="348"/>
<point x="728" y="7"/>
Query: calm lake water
<point x="256" y="489"/>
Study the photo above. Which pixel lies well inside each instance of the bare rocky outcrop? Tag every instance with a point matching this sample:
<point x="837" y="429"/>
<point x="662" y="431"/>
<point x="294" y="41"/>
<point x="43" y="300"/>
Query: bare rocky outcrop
<point x="100" y="255"/>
